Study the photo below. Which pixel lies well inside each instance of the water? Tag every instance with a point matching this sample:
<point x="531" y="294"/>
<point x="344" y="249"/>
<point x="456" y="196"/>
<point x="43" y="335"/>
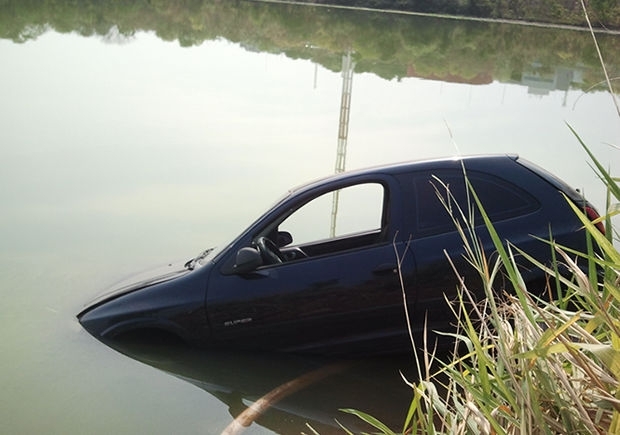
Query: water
<point x="148" y="136"/>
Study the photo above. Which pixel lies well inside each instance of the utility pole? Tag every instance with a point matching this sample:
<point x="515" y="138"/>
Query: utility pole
<point x="348" y="65"/>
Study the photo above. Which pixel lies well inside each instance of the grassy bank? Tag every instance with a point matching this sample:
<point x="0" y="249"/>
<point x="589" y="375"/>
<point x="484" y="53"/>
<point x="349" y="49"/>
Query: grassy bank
<point x="604" y="13"/>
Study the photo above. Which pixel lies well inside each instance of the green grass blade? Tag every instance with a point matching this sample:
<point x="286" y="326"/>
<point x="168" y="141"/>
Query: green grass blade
<point x="374" y="422"/>
<point x="602" y="173"/>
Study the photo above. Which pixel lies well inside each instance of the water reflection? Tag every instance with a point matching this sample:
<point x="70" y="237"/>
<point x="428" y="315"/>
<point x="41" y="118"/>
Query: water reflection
<point x="390" y="46"/>
<point x="286" y="393"/>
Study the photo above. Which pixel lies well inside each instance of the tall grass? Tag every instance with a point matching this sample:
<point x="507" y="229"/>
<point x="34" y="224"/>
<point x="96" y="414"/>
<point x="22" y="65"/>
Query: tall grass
<point x="529" y="366"/>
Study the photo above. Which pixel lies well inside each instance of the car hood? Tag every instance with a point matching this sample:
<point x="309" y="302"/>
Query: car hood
<point x="138" y="281"/>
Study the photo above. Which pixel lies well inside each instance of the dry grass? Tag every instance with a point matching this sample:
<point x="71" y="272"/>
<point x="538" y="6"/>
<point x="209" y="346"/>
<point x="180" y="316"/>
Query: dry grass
<point x="530" y="366"/>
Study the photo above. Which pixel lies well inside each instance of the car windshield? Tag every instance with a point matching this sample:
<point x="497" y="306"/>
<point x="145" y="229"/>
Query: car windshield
<point x="211" y="254"/>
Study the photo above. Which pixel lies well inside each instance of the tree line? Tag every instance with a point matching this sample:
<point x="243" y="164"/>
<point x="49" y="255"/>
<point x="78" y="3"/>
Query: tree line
<point x="389" y="45"/>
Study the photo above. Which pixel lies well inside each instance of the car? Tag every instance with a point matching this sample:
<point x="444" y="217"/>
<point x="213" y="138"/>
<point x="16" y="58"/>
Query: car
<point x="325" y="270"/>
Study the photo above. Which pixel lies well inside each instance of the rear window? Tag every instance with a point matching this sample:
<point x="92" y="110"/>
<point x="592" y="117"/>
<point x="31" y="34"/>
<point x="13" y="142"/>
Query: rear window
<point x="553" y="180"/>
<point x="501" y="200"/>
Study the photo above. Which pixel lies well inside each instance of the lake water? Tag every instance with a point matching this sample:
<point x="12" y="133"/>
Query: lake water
<point x="132" y="137"/>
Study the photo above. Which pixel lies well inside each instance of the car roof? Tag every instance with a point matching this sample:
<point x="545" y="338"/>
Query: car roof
<point x="403" y="167"/>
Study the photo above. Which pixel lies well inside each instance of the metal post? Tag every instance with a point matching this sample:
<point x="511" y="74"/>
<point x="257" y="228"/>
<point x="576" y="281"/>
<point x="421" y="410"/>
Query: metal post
<point x="343" y="129"/>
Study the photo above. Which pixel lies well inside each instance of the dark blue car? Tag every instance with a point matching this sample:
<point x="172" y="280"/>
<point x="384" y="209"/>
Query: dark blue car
<point x="318" y="271"/>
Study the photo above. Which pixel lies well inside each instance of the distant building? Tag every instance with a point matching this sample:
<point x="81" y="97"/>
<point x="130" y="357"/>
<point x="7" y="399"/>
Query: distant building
<point x="540" y="82"/>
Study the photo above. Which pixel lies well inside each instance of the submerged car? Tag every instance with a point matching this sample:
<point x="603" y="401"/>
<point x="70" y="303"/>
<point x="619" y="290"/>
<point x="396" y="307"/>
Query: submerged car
<point x="321" y="270"/>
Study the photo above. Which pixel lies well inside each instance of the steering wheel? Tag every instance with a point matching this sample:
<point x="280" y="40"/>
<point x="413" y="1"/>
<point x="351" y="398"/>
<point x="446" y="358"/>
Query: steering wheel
<point x="269" y="251"/>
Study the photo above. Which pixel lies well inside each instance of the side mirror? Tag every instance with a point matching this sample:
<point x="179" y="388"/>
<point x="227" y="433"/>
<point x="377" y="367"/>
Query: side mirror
<point x="284" y="238"/>
<point x="248" y="259"/>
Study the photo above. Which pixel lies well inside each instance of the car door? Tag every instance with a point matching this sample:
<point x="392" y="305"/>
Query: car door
<point x="438" y="246"/>
<point x="339" y="290"/>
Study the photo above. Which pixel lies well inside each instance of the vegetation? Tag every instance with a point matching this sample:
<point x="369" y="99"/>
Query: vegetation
<point x="529" y="366"/>
<point x="605" y="12"/>
<point x="390" y="46"/>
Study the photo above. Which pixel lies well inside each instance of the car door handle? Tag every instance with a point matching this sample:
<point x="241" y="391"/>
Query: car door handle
<point x="385" y="268"/>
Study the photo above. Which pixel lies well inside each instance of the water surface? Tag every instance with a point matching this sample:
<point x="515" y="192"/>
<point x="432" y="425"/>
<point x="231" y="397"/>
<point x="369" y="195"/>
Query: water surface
<point x="129" y="145"/>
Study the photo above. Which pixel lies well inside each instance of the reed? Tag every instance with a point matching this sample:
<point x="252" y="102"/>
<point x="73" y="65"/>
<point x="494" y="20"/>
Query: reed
<point x="529" y="366"/>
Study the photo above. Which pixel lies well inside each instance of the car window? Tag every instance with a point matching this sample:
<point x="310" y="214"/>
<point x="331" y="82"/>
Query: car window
<point x="351" y="210"/>
<point x="500" y="199"/>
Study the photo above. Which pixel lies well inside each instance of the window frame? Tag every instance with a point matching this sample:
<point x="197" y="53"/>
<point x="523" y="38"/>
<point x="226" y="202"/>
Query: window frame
<point x="380" y="234"/>
<point x="530" y="203"/>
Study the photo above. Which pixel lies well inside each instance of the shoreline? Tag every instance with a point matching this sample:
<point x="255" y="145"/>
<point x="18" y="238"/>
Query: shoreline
<point x="446" y="16"/>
